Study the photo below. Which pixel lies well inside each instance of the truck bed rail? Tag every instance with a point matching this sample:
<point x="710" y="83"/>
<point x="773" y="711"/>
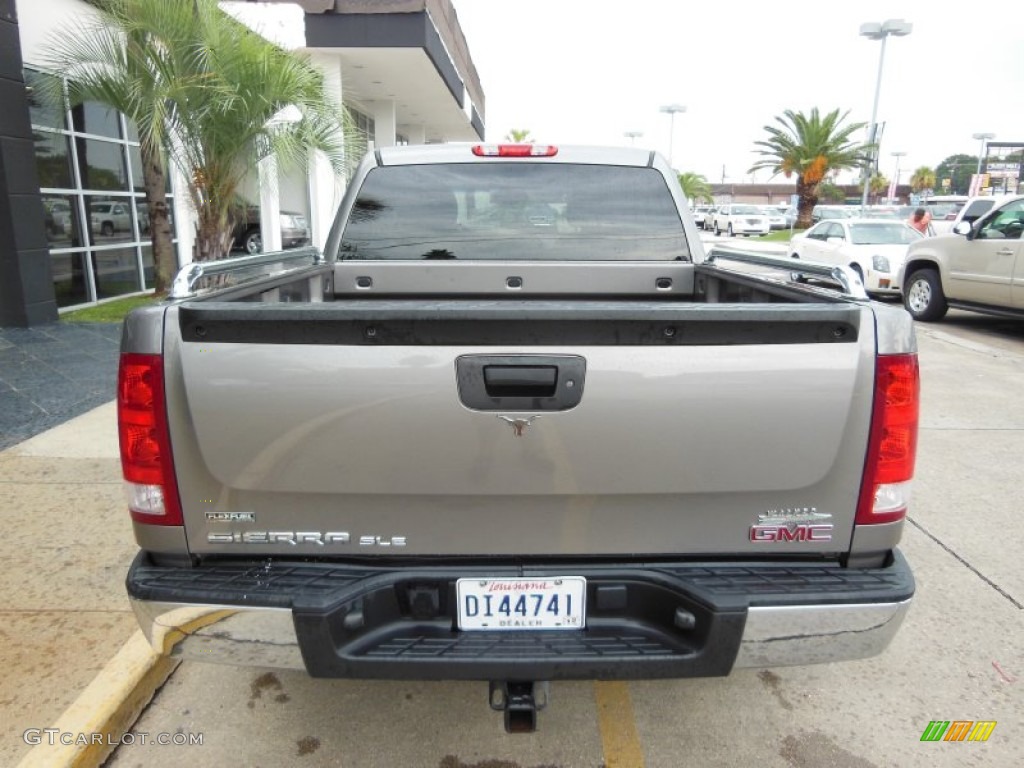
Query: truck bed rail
<point x="797" y="270"/>
<point x="224" y="272"/>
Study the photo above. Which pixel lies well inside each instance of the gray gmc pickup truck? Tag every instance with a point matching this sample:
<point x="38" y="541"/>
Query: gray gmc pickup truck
<point x="513" y="425"/>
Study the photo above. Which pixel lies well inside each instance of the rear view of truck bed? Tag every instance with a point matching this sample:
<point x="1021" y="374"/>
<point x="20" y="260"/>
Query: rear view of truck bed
<point x="519" y="469"/>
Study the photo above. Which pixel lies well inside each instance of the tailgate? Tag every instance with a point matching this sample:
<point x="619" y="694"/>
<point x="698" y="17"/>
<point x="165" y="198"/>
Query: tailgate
<point x="448" y="428"/>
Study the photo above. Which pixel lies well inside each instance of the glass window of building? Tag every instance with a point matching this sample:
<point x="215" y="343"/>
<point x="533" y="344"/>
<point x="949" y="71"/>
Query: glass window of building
<point x="90" y="177"/>
<point x="53" y="160"/>
<point x="41" y="112"/>
<point x="97" y="119"/>
<point x="364" y="125"/>
<point x="101" y="165"/>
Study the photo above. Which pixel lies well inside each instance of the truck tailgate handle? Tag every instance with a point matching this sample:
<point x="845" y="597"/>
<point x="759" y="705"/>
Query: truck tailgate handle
<point x="520" y="382"/>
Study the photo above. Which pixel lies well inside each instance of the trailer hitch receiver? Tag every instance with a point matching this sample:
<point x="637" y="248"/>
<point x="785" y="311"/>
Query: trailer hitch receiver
<point x="520" y="701"/>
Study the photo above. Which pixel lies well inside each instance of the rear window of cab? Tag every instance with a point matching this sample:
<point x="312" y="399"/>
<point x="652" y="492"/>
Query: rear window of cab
<point x="514" y="211"/>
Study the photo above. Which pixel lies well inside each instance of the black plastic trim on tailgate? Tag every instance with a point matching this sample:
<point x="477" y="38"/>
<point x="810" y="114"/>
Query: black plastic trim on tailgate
<point x="453" y="323"/>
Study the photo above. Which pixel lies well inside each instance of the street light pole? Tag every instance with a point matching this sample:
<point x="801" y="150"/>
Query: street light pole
<point x="876" y="31"/>
<point x="982" y="137"/>
<point x="896" y="183"/>
<point x="633" y="136"/>
<point x="671" y="109"/>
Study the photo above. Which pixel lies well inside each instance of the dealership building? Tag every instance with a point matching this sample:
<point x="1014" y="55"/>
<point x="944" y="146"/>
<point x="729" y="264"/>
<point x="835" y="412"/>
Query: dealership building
<point x="73" y="220"/>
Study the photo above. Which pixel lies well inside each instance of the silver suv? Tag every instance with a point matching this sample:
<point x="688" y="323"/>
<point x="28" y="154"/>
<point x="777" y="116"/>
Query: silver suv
<point x="972" y="268"/>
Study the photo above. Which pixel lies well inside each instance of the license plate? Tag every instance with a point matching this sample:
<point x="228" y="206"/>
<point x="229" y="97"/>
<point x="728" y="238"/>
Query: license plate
<point x="517" y="604"/>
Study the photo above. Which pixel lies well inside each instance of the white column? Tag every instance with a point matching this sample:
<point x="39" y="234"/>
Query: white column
<point x="185" y="217"/>
<point x="417" y="134"/>
<point x="325" y="188"/>
<point x="270" y="206"/>
<point x="385" y="125"/>
<point x="325" y="192"/>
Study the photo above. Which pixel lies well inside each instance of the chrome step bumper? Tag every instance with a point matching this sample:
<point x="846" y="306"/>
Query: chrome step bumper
<point x="348" y="621"/>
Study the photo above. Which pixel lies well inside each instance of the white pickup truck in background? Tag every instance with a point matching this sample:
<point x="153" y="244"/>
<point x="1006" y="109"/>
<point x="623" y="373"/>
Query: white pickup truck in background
<point x="109" y="216"/>
<point x="514" y="425"/>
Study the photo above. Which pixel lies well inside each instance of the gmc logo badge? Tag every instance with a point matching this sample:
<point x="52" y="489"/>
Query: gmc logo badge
<point x="793" y="532"/>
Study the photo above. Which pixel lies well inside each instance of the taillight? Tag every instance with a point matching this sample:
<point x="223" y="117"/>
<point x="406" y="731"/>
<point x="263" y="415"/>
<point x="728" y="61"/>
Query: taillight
<point x="146" y="459"/>
<point x="515" y="150"/>
<point x="892" y="444"/>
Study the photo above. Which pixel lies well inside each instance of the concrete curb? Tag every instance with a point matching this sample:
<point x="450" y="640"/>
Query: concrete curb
<point x="106" y="709"/>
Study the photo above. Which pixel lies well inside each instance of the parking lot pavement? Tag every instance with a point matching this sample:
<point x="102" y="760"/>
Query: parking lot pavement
<point x="65" y="551"/>
<point x="972" y="425"/>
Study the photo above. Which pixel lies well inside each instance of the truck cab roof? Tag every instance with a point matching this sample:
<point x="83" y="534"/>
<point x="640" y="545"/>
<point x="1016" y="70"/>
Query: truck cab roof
<point x="464" y="153"/>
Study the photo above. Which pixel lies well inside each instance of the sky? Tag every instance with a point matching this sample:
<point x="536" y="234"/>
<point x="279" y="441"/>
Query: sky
<point x="588" y="71"/>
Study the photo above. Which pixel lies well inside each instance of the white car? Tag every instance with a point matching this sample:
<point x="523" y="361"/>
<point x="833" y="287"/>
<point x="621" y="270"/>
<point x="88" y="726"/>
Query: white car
<point x="776" y="218"/>
<point x="740" y="219"/>
<point x="873" y="248"/>
<point x="700" y="214"/>
<point x="709" y="218"/>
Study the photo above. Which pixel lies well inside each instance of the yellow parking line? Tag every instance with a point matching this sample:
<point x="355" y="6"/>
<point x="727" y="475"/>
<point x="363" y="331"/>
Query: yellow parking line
<point x="619" y="740"/>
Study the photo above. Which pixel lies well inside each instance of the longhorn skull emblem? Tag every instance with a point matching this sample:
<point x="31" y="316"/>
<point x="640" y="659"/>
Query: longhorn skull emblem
<point x="518" y="425"/>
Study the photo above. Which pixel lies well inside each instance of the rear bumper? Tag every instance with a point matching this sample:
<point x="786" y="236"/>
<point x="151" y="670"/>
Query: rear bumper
<point x="882" y="282"/>
<point x="750" y="229"/>
<point x="647" y="621"/>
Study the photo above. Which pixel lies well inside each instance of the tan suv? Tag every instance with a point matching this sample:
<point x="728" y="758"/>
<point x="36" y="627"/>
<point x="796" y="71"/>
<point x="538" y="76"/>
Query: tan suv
<point x="977" y="267"/>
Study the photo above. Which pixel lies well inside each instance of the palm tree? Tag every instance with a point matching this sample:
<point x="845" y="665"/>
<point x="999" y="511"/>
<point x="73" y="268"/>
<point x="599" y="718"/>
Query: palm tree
<point x="923" y="179"/>
<point x="264" y="102"/>
<point x="208" y="91"/>
<point x="810" y="146"/>
<point x="695" y="187"/>
<point x="878" y="185"/>
<point x="830" y="193"/>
